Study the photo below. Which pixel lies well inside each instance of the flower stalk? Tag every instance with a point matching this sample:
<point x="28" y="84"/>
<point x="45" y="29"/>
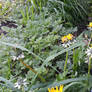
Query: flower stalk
<point x="89" y="66"/>
<point x="65" y="66"/>
<point x="27" y="66"/>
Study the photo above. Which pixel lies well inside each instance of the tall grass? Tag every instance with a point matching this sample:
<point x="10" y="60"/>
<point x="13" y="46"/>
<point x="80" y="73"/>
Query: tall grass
<point x="73" y="11"/>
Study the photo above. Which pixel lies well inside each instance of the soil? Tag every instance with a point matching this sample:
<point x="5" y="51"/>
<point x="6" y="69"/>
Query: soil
<point x="10" y="24"/>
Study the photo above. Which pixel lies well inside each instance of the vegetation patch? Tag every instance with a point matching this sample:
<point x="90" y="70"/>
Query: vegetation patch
<point x="45" y="46"/>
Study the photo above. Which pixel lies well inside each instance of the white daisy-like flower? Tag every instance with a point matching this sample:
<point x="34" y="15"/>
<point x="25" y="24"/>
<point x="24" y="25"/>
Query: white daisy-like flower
<point x="64" y="45"/>
<point x="89" y="52"/>
<point x="14" y="58"/>
<point x="17" y="85"/>
<point x="21" y="83"/>
<point x="24" y="82"/>
<point x="21" y="56"/>
<point x="70" y="42"/>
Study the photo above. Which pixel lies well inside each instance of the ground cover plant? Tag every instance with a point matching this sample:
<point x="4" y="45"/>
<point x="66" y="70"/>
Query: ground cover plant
<point x="45" y="46"/>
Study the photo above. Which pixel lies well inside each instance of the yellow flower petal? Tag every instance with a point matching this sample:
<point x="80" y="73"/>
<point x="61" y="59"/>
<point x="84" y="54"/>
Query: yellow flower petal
<point x="56" y="89"/>
<point x="64" y="39"/>
<point x="49" y="90"/>
<point x="69" y="36"/>
<point x="90" y="24"/>
<point x="52" y="90"/>
<point x="61" y="88"/>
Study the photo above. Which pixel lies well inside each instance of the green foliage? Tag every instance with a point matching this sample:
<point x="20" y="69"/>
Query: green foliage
<point x="46" y="63"/>
<point x="90" y="9"/>
<point x="73" y="11"/>
<point x="6" y="9"/>
<point x="38" y="42"/>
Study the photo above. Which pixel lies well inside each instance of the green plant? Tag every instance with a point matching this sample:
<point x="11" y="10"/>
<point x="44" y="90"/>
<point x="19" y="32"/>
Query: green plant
<point x="6" y="9"/>
<point x="72" y="11"/>
<point x="34" y="49"/>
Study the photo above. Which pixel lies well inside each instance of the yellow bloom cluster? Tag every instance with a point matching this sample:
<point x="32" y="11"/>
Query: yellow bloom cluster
<point x="90" y="24"/>
<point x="67" y="38"/>
<point x="56" y="89"/>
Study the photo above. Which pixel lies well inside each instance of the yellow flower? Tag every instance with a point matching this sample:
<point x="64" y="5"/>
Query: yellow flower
<point x="90" y="24"/>
<point x="0" y="6"/>
<point x="69" y="36"/>
<point x="60" y="89"/>
<point x="64" y="39"/>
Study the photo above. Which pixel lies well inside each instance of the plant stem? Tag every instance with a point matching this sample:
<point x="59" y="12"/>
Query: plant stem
<point x="23" y="89"/>
<point x="27" y="66"/>
<point x="65" y="66"/>
<point x="89" y="66"/>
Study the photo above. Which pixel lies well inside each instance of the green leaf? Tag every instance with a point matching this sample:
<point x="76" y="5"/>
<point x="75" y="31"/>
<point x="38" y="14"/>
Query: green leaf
<point x="9" y="84"/>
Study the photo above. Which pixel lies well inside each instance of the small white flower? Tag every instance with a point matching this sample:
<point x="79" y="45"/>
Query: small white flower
<point x="68" y="44"/>
<point x="14" y="58"/>
<point x="24" y="82"/>
<point x="21" y="56"/>
<point x="17" y="85"/>
<point x="21" y="83"/>
<point x="89" y="52"/>
<point x="65" y="45"/>
<point x="74" y="41"/>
